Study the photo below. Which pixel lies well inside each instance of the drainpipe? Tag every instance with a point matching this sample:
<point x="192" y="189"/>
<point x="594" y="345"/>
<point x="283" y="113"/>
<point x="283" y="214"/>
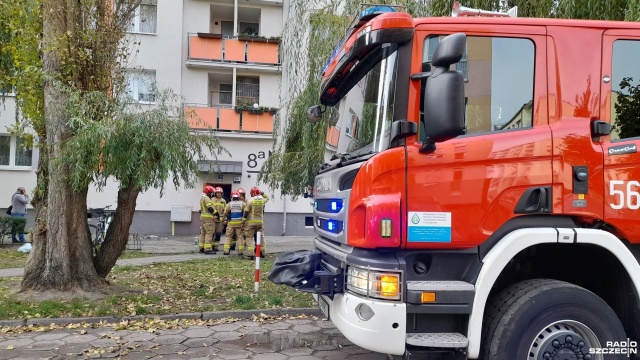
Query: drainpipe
<point x="284" y="215"/>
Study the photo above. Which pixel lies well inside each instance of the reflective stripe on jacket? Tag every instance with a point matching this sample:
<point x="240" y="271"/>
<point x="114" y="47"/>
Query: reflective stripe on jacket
<point x="205" y="204"/>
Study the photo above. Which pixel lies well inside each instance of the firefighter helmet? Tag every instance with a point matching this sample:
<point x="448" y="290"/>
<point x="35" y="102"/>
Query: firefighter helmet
<point x="208" y="189"/>
<point x="219" y="189"/>
<point x="235" y="195"/>
<point x="255" y="191"/>
<point x="241" y="191"/>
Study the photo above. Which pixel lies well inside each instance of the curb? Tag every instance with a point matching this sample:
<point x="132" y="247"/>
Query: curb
<point x="212" y="315"/>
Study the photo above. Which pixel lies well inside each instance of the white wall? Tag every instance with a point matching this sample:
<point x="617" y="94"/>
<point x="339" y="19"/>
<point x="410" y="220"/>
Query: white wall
<point x="12" y="177"/>
<point x="195" y="85"/>
<point x="162" y="51"/>
<point x="271" y="21"/>
<point x="270" y="90"/>
<point x="250" y="151"/>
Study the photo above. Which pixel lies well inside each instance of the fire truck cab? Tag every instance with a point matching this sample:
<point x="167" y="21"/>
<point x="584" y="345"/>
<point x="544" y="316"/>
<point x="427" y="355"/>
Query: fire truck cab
<point x="481" y="191"/>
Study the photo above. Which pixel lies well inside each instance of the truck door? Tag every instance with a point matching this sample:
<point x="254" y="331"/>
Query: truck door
<point x="469" y="186"/>
<point x="620" y="94"/>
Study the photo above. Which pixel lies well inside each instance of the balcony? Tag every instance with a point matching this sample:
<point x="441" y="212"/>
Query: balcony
<point x="209" y="50"/>
<point x="221" y="119"/>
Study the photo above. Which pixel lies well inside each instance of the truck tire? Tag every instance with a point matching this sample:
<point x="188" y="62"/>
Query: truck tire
<point x="544" y="319"/>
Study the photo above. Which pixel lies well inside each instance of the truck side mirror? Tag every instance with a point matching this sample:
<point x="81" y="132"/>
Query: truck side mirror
<point x="314" y="113"/>
<point x="444" y="92"/>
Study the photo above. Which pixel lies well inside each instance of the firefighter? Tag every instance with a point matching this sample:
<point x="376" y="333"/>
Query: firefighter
<point x="219" y="203"/>
<point x="233" y="214"/>
<point x="207" y="215"/>
<point x="234" y="240"/>
<point x="252" y="218"/>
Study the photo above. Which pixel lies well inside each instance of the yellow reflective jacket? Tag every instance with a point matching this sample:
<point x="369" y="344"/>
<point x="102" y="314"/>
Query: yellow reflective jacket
<point x="205" y="204"/>
<point x="254" y="210"/>
<point x="219" y="204"/>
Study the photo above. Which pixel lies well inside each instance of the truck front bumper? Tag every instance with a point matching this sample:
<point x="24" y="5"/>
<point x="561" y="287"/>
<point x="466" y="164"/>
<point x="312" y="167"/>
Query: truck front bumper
<point x="384" y="332"/>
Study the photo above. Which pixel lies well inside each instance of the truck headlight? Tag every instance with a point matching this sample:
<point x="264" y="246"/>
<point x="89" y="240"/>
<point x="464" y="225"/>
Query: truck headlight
<point x="373" y="283"/>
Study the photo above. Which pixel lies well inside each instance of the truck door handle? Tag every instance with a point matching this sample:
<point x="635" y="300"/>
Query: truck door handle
<point x="534" y="200"/>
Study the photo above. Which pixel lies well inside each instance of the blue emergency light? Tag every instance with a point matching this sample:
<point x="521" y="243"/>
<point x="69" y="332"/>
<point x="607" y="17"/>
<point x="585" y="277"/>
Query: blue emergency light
<point x="329" y="205"/>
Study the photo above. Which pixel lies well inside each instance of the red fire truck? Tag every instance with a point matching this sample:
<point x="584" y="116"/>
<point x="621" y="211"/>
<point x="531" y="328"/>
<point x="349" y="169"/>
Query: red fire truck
<point x="481" y="192"/>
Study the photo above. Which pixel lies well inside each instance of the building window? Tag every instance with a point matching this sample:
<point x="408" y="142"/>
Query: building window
<point x="499" y="79"/>
<point x="23" y="153"/>
<point x="5" y="149"/>
<point x="146" y="18"/>
<point x="141" y="86"/>
<point x="247" y="91"/>
<point x="224" y="97"/>
<point x="14" y="152"/>
<point x="249" y="28"/>
<point x="7" y="90"/>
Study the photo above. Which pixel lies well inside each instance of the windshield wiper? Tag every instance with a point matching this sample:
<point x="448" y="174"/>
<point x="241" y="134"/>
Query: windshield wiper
<point x="347" y="157"/>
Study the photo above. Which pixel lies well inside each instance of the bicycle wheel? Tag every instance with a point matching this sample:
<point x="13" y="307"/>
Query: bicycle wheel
<point x="96" y="235"/>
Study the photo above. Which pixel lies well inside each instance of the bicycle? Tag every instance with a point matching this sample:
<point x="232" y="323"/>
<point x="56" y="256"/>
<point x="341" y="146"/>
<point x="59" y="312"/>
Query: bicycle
<point x="99" y="230"/>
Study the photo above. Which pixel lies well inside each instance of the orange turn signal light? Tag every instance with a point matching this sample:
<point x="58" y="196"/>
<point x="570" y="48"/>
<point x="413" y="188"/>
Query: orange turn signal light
<point x="428" y="297"/>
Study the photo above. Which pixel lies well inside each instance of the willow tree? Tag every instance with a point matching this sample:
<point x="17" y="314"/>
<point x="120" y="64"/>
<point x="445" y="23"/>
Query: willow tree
<point x="299" y="146"/>
<point x="86" y="129"/>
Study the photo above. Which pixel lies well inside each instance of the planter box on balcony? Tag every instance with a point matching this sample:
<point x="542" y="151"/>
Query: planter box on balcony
<point x="255" y="112"/>
<point x="210" y="35"/>
<point x="259" y="39"/>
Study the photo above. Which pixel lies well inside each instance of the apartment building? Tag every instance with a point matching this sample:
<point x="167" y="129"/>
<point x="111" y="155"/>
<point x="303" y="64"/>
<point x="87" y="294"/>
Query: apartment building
<point x="223" y="57"/>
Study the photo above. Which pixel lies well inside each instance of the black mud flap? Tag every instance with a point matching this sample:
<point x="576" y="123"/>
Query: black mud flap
<point x="302" y="269"/>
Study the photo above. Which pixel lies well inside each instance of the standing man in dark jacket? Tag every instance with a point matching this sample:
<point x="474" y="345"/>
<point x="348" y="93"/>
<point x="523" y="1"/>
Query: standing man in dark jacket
<point x="19" y="202"/>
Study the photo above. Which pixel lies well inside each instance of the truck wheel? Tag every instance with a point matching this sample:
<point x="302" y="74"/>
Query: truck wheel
<point x="545" y="319"/>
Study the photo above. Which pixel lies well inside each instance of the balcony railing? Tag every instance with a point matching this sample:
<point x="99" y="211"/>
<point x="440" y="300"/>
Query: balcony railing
<point x="208" y="47"/>
<point x="230" y="120"/>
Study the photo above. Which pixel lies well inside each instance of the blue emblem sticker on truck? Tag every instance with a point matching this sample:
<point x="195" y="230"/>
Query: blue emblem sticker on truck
<point x="429" y="227"/>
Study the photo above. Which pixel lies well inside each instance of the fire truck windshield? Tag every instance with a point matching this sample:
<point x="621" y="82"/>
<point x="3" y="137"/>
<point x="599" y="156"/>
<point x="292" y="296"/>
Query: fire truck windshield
<point x="360" y="123"/>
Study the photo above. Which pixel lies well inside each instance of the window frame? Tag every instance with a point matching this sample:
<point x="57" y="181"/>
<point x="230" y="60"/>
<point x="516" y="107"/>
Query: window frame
<point x="611" y="108"/>
<point x="525" y="36"/>
<point x="13" y="152"/>
<point x="134" y="91"/>
<point x="136" y="21"/>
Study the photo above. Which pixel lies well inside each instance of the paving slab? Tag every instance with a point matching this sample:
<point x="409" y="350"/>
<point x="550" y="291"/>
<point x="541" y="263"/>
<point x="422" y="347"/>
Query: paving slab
<point x="275" y="340"/>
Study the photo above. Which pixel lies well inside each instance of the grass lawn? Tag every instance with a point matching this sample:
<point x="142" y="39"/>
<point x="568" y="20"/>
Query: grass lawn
<point x="11" y="258"/>
<point x="212" y="284"/>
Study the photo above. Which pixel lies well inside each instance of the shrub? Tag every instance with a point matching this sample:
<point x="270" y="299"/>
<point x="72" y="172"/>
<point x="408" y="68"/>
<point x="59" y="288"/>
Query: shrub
<point x="10" y="225"/>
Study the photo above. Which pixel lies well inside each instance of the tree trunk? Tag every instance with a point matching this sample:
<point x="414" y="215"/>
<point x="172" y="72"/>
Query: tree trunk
<point x="61" y="258"/>
<point x="118" y="233"/>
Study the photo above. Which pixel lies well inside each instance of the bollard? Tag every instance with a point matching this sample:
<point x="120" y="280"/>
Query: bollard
<point x="257" y="284"/>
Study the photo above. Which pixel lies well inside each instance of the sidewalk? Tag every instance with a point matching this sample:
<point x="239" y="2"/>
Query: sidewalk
<point x="182" y="248"/>
<point x="237" y="335"/>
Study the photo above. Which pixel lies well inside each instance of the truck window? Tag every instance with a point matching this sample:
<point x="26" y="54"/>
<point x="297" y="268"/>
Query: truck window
<point x="498" y="74"/>
<point x="625" y="90"/>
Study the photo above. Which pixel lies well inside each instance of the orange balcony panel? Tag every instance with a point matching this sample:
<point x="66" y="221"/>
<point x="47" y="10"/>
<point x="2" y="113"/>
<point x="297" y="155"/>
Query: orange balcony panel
<point x="202" y="117"/>
<point x="259" y="123"/>
<point x="333" y="135"/>
<point x="234" y="50"/>
<point x="205" y="48"/>
<point x="229" y="120"/>
<point x="259" y="52"/>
